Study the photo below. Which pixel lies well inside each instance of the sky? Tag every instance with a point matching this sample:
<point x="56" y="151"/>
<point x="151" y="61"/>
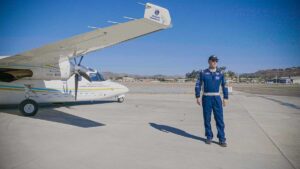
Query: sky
<point x="246" y="35"/>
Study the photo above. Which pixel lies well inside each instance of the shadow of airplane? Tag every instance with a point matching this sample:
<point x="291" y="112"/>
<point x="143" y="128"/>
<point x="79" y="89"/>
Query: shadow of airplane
<point x="70" y="104"/>
<point x="169" y="129"/>
<point x="48" y="113"/>
<point x="282" y="103"/>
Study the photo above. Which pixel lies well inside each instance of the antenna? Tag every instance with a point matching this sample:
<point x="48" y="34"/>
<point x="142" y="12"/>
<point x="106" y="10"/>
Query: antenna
<point x="130" y="18"/>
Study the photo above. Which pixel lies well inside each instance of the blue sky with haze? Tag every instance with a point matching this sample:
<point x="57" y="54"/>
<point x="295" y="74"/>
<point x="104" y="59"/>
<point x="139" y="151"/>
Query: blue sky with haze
<point x="245" y="35"/>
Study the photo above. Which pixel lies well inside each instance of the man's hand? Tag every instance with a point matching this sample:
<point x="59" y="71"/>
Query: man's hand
<point x="198" y="101"/>
<point x="225" y="102"/>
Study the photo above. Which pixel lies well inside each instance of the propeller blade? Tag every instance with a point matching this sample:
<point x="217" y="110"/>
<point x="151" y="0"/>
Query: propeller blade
<point x="80" y="60"/>
<point x="86" y="76"/>
<point x="76" y="85"/>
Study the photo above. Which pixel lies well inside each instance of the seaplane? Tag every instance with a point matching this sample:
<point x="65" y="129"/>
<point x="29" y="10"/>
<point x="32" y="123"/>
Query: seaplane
<point x="54" y="74"/>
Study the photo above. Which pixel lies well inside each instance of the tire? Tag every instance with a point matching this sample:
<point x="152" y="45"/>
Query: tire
<point x="121" y="99"/>
<point x="28" y="107"/>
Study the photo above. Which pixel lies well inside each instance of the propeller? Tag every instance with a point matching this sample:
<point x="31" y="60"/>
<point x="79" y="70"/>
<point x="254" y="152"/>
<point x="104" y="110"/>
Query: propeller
<point x="79" y="71"/>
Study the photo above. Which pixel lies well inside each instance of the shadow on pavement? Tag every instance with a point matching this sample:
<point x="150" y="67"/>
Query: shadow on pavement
<point x="169" y="129"/>
<point x="66" y="118"/>
<point x="282" y="103"/>
<point x="49" y="113"/>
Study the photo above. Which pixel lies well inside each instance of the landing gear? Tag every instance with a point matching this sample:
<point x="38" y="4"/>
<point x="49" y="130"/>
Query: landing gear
<point x="28" y="107"/>
<point x="121" y="98"/>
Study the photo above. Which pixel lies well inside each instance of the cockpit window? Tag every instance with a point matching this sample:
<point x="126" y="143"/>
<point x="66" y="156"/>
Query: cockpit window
<point x="96" y="77"/>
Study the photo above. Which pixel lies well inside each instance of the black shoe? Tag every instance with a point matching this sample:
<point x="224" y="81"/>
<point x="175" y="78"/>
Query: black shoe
<point x="223" y="144"/>
<point x="208" y="141"/>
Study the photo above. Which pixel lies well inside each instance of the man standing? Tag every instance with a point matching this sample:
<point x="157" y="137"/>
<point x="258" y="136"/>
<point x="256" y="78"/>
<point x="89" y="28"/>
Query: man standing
<point x="211" y="79"/>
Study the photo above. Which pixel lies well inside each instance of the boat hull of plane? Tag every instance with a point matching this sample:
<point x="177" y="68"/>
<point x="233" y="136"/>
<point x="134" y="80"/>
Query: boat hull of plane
<point x="54" y="91"/>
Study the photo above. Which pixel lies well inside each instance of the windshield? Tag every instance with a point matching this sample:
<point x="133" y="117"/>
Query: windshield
<point x="96" y="77"/>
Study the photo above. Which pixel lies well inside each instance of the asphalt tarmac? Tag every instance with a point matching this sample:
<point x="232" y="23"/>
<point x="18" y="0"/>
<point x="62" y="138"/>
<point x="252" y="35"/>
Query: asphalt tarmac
<point x="161" y="130"/>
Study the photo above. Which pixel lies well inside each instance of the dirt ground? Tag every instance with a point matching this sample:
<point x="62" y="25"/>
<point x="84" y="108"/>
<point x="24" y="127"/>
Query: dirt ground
<point x="188" y="88"/>
<point x="269" y="89"/>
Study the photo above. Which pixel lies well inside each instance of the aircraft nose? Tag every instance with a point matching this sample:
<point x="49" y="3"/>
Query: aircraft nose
<point x="124" y="88"/>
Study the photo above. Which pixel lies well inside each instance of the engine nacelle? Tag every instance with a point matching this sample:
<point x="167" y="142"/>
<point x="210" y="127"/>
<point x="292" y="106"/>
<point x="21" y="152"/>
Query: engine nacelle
<point x="64" y="71"/>
<point x="66" y="68"/>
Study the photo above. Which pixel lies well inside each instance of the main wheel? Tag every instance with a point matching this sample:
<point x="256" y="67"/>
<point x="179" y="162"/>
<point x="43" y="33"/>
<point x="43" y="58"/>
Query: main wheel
<point x="121" y="99"/>
<point x="28" y="107"/>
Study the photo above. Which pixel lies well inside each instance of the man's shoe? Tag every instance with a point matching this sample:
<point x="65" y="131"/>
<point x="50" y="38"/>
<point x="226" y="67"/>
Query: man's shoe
<point x="223" y="144"/>
<point x="208" y="141"/>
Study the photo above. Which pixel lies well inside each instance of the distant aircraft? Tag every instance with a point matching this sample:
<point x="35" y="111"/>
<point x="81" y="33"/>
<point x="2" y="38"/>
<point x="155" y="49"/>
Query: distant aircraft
<point x="52" y="74"/>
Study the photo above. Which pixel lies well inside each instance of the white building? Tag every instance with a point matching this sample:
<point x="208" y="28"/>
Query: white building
<point x="285" y="80"/>
<point x="127" y="79"/>
<point x="181" y="80"/>
<point x="296" y="79"/>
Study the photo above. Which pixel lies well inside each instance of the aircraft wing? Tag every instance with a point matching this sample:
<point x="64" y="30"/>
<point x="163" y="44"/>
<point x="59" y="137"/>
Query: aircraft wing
<point x="155" y="18"/>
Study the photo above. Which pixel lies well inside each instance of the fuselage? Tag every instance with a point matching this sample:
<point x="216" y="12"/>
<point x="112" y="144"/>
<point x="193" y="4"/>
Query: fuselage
<point x="51" y="91"/>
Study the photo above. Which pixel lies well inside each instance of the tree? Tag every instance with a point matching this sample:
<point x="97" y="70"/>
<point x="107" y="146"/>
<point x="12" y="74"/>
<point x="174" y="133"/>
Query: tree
<point x="230" y="74"/>
<point x="222" y="68"/>
<point x="192" y="75"/>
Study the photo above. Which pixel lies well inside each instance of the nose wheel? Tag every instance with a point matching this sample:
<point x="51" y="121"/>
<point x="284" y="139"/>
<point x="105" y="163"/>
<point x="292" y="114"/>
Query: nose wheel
<point x="121" y="98"/>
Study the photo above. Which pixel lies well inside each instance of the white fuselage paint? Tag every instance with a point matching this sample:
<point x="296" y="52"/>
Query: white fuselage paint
<point x="51" y="91"/>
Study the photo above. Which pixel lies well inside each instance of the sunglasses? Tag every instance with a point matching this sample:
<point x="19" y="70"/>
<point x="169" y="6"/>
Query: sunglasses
<point x="214" y="60"/>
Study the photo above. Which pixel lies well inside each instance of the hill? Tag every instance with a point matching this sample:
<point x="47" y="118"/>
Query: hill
<point x="272" y="73"/>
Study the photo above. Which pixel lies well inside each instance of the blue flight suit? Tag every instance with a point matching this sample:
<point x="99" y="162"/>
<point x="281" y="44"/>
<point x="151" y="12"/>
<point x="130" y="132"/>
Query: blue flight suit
<point x="211" y="100"/>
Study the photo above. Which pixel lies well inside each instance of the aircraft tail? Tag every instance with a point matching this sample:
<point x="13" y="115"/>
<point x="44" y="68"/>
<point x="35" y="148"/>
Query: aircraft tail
<point x="157" y="14"/>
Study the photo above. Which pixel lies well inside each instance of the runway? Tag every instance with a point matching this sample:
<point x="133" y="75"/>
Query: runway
<point x="153" y="130"/>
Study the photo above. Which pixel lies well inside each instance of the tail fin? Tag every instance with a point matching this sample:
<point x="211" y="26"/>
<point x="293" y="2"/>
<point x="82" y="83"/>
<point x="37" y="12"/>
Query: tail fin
<point x="157" y="14"/>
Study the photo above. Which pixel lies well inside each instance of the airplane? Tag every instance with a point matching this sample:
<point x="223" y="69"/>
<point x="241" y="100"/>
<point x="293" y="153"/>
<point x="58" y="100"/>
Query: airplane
<point x="53" y="73"/>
